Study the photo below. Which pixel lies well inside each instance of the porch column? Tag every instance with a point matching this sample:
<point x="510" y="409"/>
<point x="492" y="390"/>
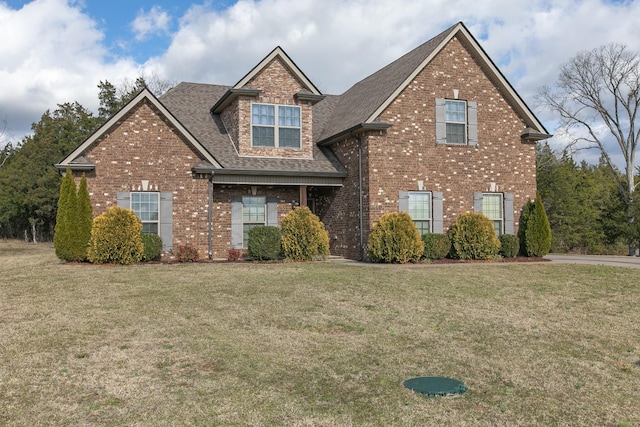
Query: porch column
<point x="303" y="195"/>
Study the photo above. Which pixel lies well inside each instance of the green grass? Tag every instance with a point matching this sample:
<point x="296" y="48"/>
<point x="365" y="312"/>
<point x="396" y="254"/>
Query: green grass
<point x="314" y="343"/>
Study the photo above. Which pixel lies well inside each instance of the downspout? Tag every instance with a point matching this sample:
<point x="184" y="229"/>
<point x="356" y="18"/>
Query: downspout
<point x="360" y="201"/>
<point x="210" y="215"/>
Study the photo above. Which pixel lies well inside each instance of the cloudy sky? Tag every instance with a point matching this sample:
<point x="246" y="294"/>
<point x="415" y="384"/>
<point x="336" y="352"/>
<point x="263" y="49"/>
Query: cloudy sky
<point x="56" y="51"/>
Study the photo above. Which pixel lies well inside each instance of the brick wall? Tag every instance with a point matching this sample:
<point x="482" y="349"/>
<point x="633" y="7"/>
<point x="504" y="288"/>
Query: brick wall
<point x="144" y="147"/>
<point x="407" y="152"/>
<point x="278" y="86"/>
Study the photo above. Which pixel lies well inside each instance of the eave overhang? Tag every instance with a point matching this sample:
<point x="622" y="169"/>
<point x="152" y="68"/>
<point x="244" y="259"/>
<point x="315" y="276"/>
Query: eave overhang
<point x="531" y="135"/>
<point x="230" y="96"/>
<point x="355" y="130"/>
<point x="309" y="97"/>
<point x="266" y="177"/>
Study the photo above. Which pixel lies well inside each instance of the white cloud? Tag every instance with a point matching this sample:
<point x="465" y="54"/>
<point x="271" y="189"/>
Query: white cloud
<point x="156" y="21"/>
<point x="52" y="53"/>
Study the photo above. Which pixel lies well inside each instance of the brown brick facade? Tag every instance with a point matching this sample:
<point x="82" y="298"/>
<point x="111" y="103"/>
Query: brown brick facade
<point x="144" y="147"/>
<point x="397" y="159"/>
<point x="145" y="142"/>
<point x="277" y="86"/>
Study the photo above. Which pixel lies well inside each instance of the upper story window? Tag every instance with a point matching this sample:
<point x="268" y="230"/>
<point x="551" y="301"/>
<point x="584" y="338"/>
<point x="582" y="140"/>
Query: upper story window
<point x="277" y="126"/>
<point x="456" y="118"/>
<point x="146" y="206"/>
<point x="456" y="122"/>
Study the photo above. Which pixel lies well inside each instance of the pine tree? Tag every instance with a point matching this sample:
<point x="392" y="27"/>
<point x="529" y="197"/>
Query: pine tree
<point x="84" y="220"/>
<point x="63" y="237"/>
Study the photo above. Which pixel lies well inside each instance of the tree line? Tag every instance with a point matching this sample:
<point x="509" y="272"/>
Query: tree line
<point x="586" y="210"/>
<point x="29" y="183"/>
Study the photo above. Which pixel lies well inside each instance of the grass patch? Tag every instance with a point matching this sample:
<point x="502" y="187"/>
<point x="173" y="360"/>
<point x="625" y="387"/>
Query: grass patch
<point x="314" y="343"/>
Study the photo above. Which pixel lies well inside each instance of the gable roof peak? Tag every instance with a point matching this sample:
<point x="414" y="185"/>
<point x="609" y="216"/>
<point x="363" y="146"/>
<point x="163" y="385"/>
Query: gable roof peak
<point x="279" y="53"/>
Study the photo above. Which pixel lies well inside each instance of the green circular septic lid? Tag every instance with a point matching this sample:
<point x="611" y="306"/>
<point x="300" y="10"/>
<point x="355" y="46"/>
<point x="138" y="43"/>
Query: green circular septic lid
<point x="435" y="386"/>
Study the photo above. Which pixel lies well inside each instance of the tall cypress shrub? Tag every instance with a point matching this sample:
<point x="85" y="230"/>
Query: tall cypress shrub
<point x="522" y="230"/>
<point x="63" y="237"/>
<point x="84" y="220"/>
<point x="538" y="230"/>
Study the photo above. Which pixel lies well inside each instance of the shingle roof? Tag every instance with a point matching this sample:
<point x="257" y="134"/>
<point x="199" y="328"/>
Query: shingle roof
<point x="358" y="103"/>
<point x="190" y="103"/>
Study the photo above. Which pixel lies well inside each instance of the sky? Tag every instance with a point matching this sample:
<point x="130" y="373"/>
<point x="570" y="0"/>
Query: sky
<point x="57" y="51"/>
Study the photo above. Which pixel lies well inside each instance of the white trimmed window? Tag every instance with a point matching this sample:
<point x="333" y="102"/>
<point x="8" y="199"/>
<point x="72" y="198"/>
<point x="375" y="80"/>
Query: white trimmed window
<point x="253" y="215"/>
<point x="456" y="119"/>
<point x="248" y="212"/>
<point x="492" y="208"/>
<point x="498" y="207"/>
<point x="424" y="208"/>
<point x="420" y="210"/>
<point x="456" y="122"/>
<point x="147" y="208"/>
<point x="275" y="126"/>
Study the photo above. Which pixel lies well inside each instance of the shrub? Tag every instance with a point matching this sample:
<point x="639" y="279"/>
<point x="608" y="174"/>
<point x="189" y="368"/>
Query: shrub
<point x="152" y="247"/>
<point x="116" y="237"/>
<point x="537" y="231"/>
<point x="436" y="246"/>
<point x="473" y="237"/>
<point x="264" y="243"/>
<point x="64" y="231"/>
<point x="187" y="253"/>
<point x="84" y="218"/>
<point x="395" y="239"/>
<point x="304" y="237"/>
<point x="234" y="255"/>
<point x="509" y="245"/>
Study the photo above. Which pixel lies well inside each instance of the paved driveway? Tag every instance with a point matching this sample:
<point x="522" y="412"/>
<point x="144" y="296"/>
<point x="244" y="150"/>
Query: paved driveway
<point x="614" y="261"/>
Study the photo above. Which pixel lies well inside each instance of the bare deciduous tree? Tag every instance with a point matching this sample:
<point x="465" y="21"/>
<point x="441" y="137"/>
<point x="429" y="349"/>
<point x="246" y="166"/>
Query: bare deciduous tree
<point x="600" y="90"/>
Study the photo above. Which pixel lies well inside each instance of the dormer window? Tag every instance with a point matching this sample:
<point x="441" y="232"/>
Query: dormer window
<point x="276" y="126"/>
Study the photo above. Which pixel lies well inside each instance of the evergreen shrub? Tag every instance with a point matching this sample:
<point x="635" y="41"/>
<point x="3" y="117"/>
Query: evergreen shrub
<point x="395" y="239"/>
<point x="116" y="237"/>
<point x="509" y="245"/>
<point x="84" y="219"/>
<point x="63" y="237"/>
<point x="537" y="231"/>
<point x="473" y="237"/>
<point x="304" y="237"/>
<point x="436" y="246"/>
<point x="152" y="247"/>
<point x="264" y="243"/>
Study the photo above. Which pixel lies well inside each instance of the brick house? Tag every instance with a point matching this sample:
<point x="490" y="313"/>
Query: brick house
<point x="436" y="133"/>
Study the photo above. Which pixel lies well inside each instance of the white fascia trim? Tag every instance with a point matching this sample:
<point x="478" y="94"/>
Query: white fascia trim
<point x="144" y="94"/>
<point x="278" y="52"/>
<point x="461" y="30"/>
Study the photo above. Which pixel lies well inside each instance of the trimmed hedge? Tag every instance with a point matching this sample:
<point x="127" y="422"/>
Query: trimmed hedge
<point x="116" y="237"/>
<point x="152" y="247"/>
<point x="395" y="239"/>
<point x="473" y="237"/>
<point x="509" y="245"/>
<point x="265" y="243"/>
<point x="304" y="237"/>
<point x="436" y="246"/>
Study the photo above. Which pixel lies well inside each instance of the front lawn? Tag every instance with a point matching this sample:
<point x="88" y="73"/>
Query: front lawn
<point x="314" y="343"/>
